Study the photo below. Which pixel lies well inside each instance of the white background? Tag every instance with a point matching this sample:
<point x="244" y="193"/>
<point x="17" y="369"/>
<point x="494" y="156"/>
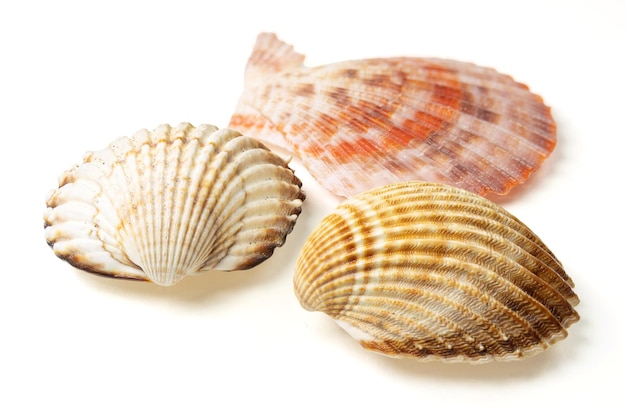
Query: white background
<point x="74" y="76"/>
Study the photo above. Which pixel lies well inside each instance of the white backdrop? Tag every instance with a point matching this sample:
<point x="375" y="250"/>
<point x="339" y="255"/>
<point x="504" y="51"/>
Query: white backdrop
<point x="76" y="75"/>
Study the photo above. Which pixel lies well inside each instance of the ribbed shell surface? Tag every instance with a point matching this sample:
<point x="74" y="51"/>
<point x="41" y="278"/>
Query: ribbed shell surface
<point x="361" y="124"/>
<point x="434" y="272"/>
<point x="175" y="201"/>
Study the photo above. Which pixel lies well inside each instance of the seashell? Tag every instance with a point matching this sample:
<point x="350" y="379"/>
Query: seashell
<point x="434" y="272"/>
<point x="361" y="124"/>
<point x="175" y="201"/>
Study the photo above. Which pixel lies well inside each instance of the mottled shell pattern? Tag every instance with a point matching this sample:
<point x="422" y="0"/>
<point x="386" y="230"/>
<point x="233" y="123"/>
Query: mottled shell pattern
<point x="434" y="272"/>
<point x="175" y="201"/>
<point x="361" y="124"/>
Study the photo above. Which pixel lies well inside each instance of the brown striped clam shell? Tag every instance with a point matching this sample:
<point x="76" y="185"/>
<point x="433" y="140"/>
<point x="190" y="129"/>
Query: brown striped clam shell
<point x="360" y="124"/>
<point x="434" y="272"/>
<point x="171" y="202"/>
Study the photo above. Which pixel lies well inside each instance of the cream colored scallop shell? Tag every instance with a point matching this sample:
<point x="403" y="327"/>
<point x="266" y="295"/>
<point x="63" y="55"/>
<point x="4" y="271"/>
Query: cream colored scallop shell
<point x="175" y="201"/>
<point x="434" y="272"/>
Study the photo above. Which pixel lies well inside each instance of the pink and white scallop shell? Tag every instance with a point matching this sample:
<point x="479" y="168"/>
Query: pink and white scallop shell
<point x="357" y="125"/>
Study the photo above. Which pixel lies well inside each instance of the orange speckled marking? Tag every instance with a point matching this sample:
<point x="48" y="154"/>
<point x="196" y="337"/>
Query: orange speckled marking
<point x="368" y="146"/>
<point x="356" y="119"/>
<point x="345" y="150"/>
<point x="399" y="137"/>
<point x="445" y="106"/>
<point x="315" y="149"/>
<point x="422" y="125"/>
<point x="447" y="96"/>
<point x="305" y="90"/>
<point x="247" y="122"/>
<point x="326" y="125"/>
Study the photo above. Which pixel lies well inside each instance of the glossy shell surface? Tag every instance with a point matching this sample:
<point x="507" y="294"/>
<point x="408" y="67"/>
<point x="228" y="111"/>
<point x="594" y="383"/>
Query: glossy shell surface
<point x="361" y="124"/>
<point x="166" y="203"/>
<point x="434" y="272"/>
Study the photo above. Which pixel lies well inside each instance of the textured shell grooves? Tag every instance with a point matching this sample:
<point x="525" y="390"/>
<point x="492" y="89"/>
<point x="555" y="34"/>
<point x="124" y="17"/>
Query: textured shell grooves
<point x="540" y="124"/>
<point x="361" y="124"/>
<point x="456" y="329"/>
<point x="427" y="270"/>
<point x="164" y="204"/>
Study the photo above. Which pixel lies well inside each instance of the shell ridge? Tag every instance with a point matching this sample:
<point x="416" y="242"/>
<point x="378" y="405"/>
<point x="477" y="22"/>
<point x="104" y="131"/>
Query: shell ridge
<point x="239" y="155"/>
<point x="173" y="199"/>
<point x="192" y="195"/>
<point x="528" y="285"/>
<point x="394" y="131"/>
<point x="485" y="233"/>
<point x="488" y="216"/>
<point x="472" y="309"/>
<point x="311" y="297"/>
<point x="414" y="99"/>
<point x="361" y="217"/>
<point x="402" y="319"/>
<point x="128" y="212"/>
<point x="175" y="153"/>
<point x="216" y="214"/>
<point x="113" y="230"/>
<point x="261" y="230"/>
<point x="306" y="262"/>
<point x="185" y="195"/>
<point x="436" y="199"/>
<point x="200" y="150"/>
<point x="439" y="280"/>
<point x="416" y="335"/>
<point x="203" y="171"/>
<point x="94" y="261"/>
<point x="367" y="319"/>
<point x="212" y="167"/>
<point x="228" y="207"/>
<point x="514" y="277"/>
<point x="418" y="93"/>
<point x="263" y="241"/>
<point x="95" y="167"/>
<point x="156" y="213"/>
